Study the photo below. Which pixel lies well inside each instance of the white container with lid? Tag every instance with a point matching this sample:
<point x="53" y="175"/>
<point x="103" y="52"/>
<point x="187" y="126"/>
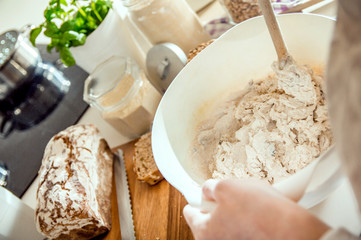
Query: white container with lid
<point x="167" y="21"/>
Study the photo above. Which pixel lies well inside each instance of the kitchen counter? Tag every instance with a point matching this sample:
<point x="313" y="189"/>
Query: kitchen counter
<point x="338" y="210"/>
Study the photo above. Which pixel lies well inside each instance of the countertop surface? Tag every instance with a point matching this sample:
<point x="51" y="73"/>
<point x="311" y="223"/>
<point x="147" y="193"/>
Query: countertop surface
<point x="338" y="210"/>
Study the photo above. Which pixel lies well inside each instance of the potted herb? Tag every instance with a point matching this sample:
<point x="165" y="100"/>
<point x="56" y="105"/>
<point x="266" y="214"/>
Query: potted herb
<point x="68" y="23"/>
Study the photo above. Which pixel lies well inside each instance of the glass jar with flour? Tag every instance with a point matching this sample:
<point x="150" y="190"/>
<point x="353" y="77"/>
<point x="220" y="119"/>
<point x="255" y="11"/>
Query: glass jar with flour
<point x="123" y="94"/>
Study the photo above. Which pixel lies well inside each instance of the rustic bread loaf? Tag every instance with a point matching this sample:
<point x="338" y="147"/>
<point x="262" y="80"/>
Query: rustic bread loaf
<point x="144" y="165"/>
<point x="73" y="197"/>
<point x="193" y="52"/>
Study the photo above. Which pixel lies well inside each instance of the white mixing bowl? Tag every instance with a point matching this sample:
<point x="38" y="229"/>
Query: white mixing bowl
<point x="243" y="53"/>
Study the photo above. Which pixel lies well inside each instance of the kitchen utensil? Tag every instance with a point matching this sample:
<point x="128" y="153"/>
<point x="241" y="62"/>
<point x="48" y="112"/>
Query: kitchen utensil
<point x="273" y="28"/>
<point x="30" y="104"/>
<point x="123" y="198"/>
<point x="157" y="210"/>
<point x="48" y="89"/>
<point x="18" y="60"/>
<point x="243" y="53"/>
<point x="314" y="169"/>
<point x="164" y="61"/>
<point x="29" y="88"/>
<point x="29" y="144"/>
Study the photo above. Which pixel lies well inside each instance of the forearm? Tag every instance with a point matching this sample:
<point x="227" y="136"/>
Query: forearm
<point x="344" y="96"/>
<point x="344" y="89"/>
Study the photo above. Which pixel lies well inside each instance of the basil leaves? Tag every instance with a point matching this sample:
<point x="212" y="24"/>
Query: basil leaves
<point x="68" y="23"/>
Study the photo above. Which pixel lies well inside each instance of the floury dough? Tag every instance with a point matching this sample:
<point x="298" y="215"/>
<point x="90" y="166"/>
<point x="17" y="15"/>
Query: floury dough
<point x="272" y="129"/>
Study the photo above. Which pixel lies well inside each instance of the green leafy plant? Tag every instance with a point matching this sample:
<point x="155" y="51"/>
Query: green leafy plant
<point x="69" y="22"/>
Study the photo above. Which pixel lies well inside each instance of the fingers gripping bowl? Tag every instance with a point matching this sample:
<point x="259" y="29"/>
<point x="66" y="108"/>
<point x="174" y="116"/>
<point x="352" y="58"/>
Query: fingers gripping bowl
<point x="243" y="53"/>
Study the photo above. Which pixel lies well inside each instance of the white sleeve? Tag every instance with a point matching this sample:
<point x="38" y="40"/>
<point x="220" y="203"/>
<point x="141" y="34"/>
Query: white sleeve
<point x="338" y="234"/>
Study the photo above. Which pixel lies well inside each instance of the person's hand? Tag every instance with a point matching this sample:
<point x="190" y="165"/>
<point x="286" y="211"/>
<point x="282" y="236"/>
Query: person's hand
<point x="250" y="209"/>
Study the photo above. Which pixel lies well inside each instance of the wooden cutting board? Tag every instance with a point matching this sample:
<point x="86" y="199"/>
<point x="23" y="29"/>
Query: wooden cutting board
<point x="157" y="210"/>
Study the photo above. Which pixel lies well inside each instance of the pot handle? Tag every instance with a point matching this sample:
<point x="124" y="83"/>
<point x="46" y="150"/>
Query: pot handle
<point x="26" y="29"/>
<point x="6" y="126"/>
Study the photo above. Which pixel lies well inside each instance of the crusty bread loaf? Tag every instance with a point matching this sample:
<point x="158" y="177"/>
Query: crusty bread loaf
<point x="193" y="52"/>
<point x="144" y="165"/>
<point x="73" y="197"/>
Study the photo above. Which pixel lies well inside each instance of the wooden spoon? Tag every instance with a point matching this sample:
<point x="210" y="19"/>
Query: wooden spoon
<point x="274" y="29"/>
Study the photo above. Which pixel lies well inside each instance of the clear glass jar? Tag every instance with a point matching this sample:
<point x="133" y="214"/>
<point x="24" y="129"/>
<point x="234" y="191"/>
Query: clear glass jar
<point x="123" y="94"/>
<point x="240" y="10"/>
<point x="167" y="21"/>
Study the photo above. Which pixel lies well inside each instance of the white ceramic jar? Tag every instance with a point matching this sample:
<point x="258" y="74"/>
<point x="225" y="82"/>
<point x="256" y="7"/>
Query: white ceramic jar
<point x="112" y="37"/>
<point x="167" y="21"/>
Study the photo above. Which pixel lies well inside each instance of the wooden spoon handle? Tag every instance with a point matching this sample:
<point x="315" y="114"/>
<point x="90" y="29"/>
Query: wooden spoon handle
<point x="273" y="28"/>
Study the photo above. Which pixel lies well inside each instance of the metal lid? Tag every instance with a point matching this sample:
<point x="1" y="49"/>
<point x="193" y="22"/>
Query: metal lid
<point x="164" y="61"/>
<point x="7" y="45"/>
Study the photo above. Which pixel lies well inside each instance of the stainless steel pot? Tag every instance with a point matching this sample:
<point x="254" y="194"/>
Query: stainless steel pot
<point x="18" y="60"/>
